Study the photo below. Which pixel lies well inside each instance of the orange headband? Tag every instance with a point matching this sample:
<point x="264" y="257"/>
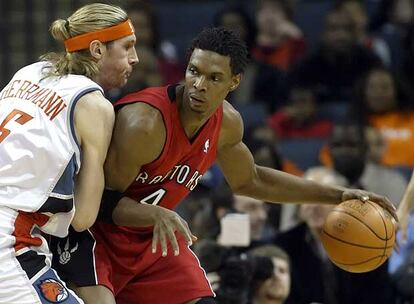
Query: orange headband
<point x="82" y="42"/>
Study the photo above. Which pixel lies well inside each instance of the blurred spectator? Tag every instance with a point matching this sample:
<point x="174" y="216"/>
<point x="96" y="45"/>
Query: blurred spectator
<point x="357" y="10"/>
<point x="236" y="18"/>
<point x="376" y="175"/>
<point x="262" y="142"/>
<point x="274" y="289"/>
<point x="398" y="31"/>
<point x="354" y="158"/>
<point x="279" y="42"/>
<point x="299" y="119"/>
<point x="257" y="211"/>
<point x="232" y="274"/>
<point x="261" y="83"/>
<point x="330" y="71"/>
<point x="314" y="277"/>
<point x="382" y="103"/>
<point x="159" y="63"/>
<point x="205" y="223"/>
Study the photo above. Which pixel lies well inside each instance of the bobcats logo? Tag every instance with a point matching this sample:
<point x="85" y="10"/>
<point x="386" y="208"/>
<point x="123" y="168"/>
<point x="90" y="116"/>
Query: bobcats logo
<point x="53" y="291"/>
<point x="64" y="256"/>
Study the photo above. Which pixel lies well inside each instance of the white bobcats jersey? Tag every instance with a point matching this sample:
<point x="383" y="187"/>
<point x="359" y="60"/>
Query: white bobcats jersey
<point x="39" y="155"/>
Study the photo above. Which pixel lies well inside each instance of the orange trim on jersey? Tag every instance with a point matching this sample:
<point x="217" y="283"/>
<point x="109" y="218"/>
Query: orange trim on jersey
<point x="23" y="226"/>
<point x="83" y="41"/>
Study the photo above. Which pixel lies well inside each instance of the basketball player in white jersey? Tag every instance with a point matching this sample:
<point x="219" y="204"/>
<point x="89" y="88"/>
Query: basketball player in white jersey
<point x="55" y="128"/>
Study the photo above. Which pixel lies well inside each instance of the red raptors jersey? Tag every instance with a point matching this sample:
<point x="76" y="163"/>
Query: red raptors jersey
<point x="182" y="163"/>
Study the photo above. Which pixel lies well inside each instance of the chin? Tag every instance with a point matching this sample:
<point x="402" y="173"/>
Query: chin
<point x="197" y="110"/>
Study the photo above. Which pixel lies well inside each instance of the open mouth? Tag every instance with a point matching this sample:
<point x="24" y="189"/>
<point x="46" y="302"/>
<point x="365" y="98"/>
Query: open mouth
<point x="195" y="101"/>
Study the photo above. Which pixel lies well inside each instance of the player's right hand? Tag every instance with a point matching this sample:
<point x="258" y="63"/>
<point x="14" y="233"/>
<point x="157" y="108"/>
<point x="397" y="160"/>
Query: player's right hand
<point x="166" y="223"/>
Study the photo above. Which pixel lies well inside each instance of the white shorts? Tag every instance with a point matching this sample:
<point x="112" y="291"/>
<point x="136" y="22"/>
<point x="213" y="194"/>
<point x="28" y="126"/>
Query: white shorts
<point x="26" y="276"/>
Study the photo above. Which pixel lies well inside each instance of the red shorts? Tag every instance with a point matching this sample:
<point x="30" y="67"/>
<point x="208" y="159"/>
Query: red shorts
<point x="125" y="264"/>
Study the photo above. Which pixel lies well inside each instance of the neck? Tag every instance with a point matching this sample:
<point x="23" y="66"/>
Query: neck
<point x="191" y="121"/>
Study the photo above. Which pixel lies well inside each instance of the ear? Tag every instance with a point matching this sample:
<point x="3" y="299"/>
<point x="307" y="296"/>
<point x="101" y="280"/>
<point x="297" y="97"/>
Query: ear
<point x="97" y="49"/>
<point x="235" y="81"/>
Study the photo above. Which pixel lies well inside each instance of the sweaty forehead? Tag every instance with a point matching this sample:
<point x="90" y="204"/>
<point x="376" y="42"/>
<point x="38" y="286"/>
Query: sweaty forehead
<point x="210" y="62"/>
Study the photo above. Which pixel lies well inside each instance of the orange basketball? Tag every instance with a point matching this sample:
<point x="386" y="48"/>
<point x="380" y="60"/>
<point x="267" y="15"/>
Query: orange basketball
<point x="357" y="236"/>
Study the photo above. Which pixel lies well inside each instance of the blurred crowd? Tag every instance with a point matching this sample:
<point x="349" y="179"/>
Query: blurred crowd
<point x="337" y="110"/>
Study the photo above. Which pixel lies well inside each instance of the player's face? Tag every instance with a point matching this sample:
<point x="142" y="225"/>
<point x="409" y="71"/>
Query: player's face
<point x="276" y="289"/>
<point x="116" y="63"/>
<point x="208" y="80"/>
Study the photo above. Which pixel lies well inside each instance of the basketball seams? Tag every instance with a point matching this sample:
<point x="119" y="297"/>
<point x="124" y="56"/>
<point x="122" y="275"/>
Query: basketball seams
<point x="352" y="244"/>
<point x="359" y="263"/>
<point x="351" y="215"/>
<point x="385" y="228"/>
<point x="349" y="244"/>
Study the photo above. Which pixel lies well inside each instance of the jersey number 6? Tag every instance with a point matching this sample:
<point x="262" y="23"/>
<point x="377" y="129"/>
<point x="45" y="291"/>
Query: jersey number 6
<point x="16" y="115"/>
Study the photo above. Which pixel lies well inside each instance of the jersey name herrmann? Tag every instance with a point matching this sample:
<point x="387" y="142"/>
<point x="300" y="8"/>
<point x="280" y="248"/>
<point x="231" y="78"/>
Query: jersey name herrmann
<point x="39" y="154"/>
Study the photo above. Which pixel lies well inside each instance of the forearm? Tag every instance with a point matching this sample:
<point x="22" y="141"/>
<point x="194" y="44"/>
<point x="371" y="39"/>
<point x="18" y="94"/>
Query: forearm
<point x="407" y="202"/>
<point x="87" y="201"/>
<point x="276" y="186"/>
<point x="130" y="213"/>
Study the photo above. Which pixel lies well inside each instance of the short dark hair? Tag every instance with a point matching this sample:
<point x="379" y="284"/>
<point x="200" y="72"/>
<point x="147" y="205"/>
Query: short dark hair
<point x="271" y="251"/>
<point x="223" y="42"/>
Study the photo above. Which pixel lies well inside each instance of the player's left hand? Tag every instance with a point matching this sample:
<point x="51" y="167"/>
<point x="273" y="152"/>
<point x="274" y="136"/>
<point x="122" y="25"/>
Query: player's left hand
<point x="365" y="196"/>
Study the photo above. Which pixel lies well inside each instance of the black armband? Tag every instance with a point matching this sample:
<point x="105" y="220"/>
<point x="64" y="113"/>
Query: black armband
<point x="109" y="202"/>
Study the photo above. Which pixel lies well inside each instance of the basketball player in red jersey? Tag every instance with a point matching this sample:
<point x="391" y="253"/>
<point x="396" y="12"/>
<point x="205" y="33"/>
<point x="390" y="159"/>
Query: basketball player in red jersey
<point x="164" y="140"/>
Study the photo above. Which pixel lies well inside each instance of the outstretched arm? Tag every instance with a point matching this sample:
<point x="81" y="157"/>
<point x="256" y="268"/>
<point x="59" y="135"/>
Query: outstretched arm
<point x="246" y="178"/>
<point x="94" y="134"/>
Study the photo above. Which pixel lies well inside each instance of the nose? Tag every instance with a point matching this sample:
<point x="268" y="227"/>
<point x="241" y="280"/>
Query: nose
<point x="133" y="60"/>
<point x="200" y="83"/>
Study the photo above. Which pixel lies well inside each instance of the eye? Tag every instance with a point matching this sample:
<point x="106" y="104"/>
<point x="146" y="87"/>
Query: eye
<point x="193" y="71"/>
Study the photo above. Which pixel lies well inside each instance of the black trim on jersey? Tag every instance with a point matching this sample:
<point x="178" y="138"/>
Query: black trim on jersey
<point x="110" y="200"/>
<point x="72" y="111"/>
<point x="31" y="262"/>
<point x="66" y="181"/>
<point x="56" y="205"/>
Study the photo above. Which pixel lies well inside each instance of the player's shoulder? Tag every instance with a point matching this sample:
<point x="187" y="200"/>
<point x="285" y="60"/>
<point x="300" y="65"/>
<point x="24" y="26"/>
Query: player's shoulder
<point x="96" y="104"/>
<point x="232" y="124"/>
<point x="230" y="115"/>
<point x="140" y="123"/>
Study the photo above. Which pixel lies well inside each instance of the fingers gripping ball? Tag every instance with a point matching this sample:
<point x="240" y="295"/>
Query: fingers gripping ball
<point x="357" y="236"/>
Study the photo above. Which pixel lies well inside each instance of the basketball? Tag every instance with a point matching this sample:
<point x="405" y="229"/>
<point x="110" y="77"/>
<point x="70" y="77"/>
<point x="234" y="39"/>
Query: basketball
<point x="358" y="237"/>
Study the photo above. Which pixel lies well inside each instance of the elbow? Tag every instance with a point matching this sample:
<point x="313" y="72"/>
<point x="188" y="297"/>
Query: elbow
<point x="248" y="187"/>
<point x="82" y="224"/>
<point x="244" y="190"/>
